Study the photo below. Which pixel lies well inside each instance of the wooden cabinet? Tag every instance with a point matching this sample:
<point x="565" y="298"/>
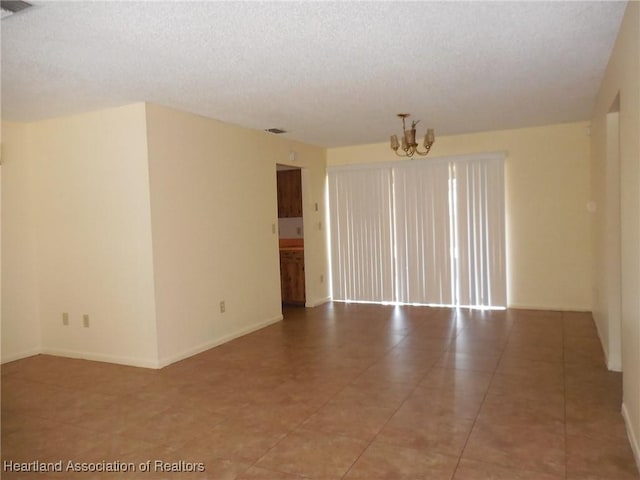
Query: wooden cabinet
<point x="292" y="276"/>
<point x="289" y="193"/>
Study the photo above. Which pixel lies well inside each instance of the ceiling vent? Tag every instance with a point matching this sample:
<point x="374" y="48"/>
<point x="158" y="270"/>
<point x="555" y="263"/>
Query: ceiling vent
<point x="9" y="7"/>
<point x="277" y="131"/>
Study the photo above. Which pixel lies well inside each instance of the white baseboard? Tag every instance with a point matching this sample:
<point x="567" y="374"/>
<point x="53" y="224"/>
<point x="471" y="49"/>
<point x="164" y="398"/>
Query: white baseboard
<point x="554" y="308"/>
<point x="614" y="365"/>
<point x="317" y="302"/>
<point x="100" y="357"/>
<point x="604" y="345"/>
<point x="138" y="362"/>
<point x="633" y="439"/>
<point x="20" y="355"/>
<point x="217" y="341"/>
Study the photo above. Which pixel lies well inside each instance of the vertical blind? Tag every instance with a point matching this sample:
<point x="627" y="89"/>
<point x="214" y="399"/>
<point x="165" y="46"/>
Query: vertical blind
<point x="478" y="211"/>
<point x="422" y="232"/>
<point x="426" y="231"/>
<point x="361" y="216"/>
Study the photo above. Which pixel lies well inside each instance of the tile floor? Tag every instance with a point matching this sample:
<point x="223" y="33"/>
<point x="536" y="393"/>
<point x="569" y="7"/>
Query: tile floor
<point x="340" y="391"/>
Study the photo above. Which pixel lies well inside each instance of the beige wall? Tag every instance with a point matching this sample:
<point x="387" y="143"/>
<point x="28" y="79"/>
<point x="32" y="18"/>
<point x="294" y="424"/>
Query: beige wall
<point x="89" y="195"/>
<point x="81" y="199"/>
<point x="547" y="191"/>
<point x="20" y="330"/>
<point x="213" y="207"/>
<point x="622" y="77"/>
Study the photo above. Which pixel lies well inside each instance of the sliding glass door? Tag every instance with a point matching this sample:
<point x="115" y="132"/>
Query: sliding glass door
<point x="426" y="231"/>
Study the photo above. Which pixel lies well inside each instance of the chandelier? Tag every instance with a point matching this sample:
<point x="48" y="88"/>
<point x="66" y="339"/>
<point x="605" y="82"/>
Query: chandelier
<point x="409" y="145"/>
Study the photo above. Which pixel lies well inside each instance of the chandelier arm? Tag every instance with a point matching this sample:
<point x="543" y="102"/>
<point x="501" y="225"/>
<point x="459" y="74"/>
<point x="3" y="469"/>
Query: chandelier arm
<point x="426" y="152"/>
<point x="405" y="155"/>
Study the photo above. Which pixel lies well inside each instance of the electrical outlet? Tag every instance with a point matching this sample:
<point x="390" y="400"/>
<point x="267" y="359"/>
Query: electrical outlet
<point x="321" y="278"/>
<point x="223" y="308"/>
<point x="316" y="205"/>
<point x="65" y="319"/>
<point x="85" y="320"/>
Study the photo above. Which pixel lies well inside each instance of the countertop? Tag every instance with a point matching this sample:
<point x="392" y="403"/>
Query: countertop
<point x="292" y="244"/>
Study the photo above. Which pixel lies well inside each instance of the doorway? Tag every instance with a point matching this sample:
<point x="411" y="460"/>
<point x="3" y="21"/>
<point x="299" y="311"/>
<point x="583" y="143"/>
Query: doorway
<point x="291" y="235"/>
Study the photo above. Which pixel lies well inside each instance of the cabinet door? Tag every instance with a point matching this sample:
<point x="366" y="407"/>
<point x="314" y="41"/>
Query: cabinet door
<point x="285" y="278"/>
<point x="289" y="193"/>
<point x="295" y="201"/>
<point x="297" y="282"/>
<point x="292" y="277"/>
<point x="282" y="193"/>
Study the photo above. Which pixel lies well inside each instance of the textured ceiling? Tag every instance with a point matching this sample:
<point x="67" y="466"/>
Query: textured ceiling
<point x="329" y="73"/>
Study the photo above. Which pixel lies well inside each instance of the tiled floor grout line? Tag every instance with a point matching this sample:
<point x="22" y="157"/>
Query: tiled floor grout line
<point x="410" y="392"/>
<point x="475" y="420"/>
<point x="443" y="353"/>
<point x="316" y="411"/>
